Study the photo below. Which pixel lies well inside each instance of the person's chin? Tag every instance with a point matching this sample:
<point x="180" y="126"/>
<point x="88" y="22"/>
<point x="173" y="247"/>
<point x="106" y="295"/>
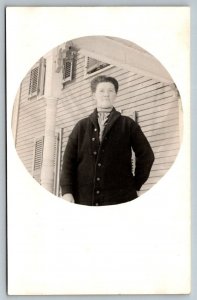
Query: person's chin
<point x="106" y="105"/>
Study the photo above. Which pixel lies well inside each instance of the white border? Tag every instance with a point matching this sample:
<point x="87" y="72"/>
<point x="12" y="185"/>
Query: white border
<point x="139" y="217"/>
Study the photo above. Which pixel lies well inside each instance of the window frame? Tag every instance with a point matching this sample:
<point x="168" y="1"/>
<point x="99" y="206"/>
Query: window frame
<point x="86" y="75"/>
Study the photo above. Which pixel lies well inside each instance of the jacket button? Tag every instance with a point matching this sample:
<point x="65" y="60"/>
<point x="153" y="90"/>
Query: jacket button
<point x="99" y="164"/>
<point x="93" y="139"/>
<point x="95" y="129"/>
<point x="95" y="153"/>
<point x="97" y="192"/>
<point x="96" y="204"/>
<point x="98" y="179"/>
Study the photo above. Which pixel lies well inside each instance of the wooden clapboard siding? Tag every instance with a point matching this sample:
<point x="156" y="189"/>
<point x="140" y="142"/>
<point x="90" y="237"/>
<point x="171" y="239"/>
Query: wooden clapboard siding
<point x="162" y="113"/>
<point x="155" y="102"/>
<point x="162" y="131"/>
<point x="157" y="110"/>
<point x="167" y="120"/>
<point x="28" y="131"/>
<point x="31" y="123"/>
<point x="160" y="143"/>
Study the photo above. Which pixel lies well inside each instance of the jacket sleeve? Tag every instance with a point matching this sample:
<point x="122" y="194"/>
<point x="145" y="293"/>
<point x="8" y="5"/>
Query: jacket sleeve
<point x="144" y="156"/>
<point x="69" y="166"/>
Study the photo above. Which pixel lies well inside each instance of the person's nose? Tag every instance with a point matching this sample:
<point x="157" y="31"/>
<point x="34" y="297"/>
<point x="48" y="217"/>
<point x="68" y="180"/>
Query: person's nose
<point x="106" y="94"/>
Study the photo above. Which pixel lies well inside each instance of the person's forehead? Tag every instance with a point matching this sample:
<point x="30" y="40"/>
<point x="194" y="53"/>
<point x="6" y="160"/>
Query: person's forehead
<point x="105" y="84"/>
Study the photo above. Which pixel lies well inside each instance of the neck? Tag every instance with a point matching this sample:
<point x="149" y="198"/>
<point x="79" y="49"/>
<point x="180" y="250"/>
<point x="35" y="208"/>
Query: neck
<point x="108" y="109"/>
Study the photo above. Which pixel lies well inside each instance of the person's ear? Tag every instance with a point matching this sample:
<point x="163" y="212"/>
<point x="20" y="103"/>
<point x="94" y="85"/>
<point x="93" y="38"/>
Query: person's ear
<point x="93" y="96"/>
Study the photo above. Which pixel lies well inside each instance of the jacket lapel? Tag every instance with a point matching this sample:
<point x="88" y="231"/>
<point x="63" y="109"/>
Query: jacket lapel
<point x="94" y="119"/>
<point x="113" y="117"/>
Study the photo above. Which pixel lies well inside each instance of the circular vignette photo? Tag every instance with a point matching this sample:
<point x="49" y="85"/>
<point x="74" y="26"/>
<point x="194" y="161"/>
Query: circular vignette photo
<point x="97" y="121"/>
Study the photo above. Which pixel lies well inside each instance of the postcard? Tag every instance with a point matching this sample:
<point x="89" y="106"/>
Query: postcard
<point x="98" y="150"/>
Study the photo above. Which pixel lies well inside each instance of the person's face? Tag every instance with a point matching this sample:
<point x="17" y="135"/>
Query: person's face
<point x="104" y="95"/>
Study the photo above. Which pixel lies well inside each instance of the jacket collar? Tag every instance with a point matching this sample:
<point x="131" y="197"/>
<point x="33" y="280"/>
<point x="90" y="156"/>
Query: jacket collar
<point x="114" y="115"/>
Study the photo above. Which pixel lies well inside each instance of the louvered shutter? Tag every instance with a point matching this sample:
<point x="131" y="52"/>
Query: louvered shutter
<point x="34" y="77"/>
<point x="37" y="79"/>
<point x="37" y="159"/>
<point x="67" y="69"/>
<point x="94" y="65"/>
<point x="42" y="73"/>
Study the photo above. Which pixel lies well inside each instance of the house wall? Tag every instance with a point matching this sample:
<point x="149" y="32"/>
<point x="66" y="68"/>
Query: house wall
<point x="157" y="107"/>
<point x="156" y="104"/>
<point x="31" y="123"/>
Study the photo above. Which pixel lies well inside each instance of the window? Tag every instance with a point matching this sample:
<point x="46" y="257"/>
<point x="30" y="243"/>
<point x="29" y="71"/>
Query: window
<point x="37" y="158"/>
<point x="37" y="79"/>
<point x="93" y="65"/>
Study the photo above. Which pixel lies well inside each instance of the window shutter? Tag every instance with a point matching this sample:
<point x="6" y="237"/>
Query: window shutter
<point x="33" y="85"/>
<point x="42" y="73"/>
<point x="38" y="156"/>
<point x="67" y="69"/>
<point x="38" y="159"/>
<point x="37" y="79"/>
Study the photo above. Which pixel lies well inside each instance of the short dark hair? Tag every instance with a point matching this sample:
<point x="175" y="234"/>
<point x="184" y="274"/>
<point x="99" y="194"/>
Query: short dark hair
<point x="103" y="78"/>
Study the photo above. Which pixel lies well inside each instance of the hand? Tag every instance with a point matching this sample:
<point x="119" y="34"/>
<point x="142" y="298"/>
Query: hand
<point x="69" y="198"/>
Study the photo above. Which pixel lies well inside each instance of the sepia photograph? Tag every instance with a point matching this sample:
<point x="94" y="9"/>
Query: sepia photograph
<point x="98" y="151"/>
<point x="97" y="120"/>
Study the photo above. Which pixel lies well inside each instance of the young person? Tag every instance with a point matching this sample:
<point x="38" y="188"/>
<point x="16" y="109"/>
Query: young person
<point x="97" y="160"/>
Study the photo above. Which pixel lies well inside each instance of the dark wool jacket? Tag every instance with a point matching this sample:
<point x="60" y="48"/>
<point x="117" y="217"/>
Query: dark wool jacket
<point x="100" y="173"/>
